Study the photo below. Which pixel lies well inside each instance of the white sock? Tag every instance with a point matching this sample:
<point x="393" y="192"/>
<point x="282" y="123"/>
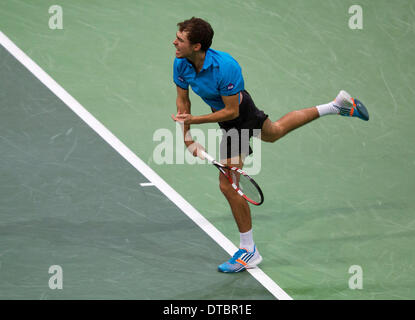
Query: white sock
<point x="247" y="241"/>
<point x="327" y="108"/>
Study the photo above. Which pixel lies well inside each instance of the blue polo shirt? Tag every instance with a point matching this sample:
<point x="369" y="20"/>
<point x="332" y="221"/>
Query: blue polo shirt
<point x="221" y="75"/>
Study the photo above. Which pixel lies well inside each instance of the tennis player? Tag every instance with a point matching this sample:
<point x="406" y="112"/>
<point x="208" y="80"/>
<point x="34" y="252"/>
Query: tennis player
<point x="217" y="78"/>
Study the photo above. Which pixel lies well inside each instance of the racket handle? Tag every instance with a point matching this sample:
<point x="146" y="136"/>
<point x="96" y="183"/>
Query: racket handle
<point x="207" y="156"/>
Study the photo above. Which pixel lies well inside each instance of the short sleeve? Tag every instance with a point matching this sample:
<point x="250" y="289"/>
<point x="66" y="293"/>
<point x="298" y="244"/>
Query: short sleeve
<point x="231" y="81"/>
<point x="178" y="77"/>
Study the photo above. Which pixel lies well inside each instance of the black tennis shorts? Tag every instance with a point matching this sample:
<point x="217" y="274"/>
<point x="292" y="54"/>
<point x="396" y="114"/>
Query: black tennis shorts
<point x="238" y="132"/>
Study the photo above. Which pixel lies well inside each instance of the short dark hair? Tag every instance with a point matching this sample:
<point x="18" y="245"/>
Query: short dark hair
<point x="199" y="31"/>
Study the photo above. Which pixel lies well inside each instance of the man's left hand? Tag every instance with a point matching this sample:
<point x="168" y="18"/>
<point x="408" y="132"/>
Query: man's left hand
<point x="185" y="118"/>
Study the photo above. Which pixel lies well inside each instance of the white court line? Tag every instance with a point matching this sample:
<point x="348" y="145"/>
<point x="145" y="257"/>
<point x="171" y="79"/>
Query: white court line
<point x="136" y="162"/>
<point x="146" y="184"/>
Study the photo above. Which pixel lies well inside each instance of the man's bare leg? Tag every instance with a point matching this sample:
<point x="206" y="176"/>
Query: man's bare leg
<point x="272" y="131"/>
<point x="239" y="206"/>
<point x="248" y="256"/>
<point x="343" y="104"/>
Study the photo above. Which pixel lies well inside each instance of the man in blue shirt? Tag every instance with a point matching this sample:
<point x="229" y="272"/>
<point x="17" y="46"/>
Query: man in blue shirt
<point x="217" y="78"/>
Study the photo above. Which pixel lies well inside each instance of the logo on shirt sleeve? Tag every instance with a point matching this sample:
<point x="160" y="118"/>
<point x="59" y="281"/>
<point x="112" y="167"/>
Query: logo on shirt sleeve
<point x="230" y="86"/>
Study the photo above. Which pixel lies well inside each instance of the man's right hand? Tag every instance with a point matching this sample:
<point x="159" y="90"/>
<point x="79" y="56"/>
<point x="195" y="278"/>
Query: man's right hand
<point x="195" y="148"/>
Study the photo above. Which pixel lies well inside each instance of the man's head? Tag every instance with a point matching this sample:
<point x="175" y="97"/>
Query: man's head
<point x="193" y="35"/>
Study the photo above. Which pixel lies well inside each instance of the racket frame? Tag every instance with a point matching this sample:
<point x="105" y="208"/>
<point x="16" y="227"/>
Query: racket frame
<point x="222" y="168"/>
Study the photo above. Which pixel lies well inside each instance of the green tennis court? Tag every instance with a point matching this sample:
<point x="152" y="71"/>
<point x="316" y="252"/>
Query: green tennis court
<point x="338" y="192"/>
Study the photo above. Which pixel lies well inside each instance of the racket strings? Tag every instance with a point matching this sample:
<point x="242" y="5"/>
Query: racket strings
<point x="246" y="186"/>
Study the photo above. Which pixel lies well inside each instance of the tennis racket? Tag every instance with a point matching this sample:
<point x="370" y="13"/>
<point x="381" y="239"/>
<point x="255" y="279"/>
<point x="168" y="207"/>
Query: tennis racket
<point x="243" y="184"/>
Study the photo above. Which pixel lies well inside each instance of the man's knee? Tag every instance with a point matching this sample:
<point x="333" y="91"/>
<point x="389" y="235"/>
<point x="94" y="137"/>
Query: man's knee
<point x="274" y="134"/>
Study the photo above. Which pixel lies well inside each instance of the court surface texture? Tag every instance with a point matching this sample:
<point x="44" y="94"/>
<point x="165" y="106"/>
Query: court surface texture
<point x="81" y="186"/>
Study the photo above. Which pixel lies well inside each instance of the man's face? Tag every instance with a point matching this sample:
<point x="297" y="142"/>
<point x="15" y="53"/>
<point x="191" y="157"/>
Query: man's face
<point x="183" y="46"/>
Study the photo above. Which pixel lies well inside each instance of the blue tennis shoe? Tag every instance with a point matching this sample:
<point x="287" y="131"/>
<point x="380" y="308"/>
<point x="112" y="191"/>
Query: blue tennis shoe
<point x="241" y="260"/>
<point x="350" y="107"/>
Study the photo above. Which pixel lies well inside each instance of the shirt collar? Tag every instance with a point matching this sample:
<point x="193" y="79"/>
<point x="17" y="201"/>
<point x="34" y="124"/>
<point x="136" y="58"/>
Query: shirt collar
<point x="208" y="60"/>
